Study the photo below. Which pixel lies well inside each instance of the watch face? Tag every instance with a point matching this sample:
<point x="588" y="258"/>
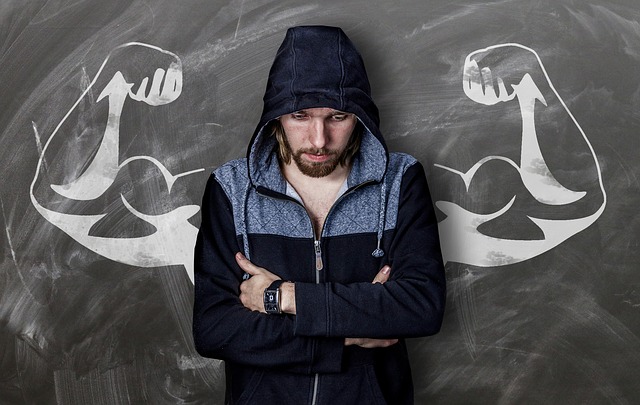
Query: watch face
<point x="271" y="301"/>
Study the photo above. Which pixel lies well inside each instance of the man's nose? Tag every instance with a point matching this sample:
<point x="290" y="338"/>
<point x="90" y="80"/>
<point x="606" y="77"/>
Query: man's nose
<point x="319" y="135"/>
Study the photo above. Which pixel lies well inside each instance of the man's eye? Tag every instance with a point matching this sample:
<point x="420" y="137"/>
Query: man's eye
<point x="339" y="117"/>
<point x="298" y="116"/>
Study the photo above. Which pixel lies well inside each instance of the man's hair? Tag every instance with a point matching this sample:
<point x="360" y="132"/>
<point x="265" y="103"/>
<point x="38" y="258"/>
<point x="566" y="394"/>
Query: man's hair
<point x="350" y="151"/>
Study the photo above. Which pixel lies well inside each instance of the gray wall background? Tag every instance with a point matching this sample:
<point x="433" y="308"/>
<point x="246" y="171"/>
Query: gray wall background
<point x="77" y="328"/>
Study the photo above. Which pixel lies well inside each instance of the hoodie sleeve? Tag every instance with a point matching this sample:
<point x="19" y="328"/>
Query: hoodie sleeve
<point x="222" y="327"/>
<point x="410" y="304"/>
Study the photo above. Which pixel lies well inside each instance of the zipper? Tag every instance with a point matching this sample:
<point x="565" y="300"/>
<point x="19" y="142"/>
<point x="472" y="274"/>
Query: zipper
<point x="315" y="390"/>
<point x="319" y="266"/>
<point x="316" y="244"/>
<point x="317" y="249"/>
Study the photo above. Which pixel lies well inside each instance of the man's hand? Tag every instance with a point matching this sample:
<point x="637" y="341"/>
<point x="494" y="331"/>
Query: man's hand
<point x="252" y="290"/>
<point x="368" y="343"/>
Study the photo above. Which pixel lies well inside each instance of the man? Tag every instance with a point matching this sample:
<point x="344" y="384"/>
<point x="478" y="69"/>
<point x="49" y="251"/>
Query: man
<point x="293" y="236"/>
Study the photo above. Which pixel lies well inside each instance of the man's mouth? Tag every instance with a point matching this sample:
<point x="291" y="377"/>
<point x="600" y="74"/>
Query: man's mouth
<point x="319" y="158"/>
<point x="318" y="155"/>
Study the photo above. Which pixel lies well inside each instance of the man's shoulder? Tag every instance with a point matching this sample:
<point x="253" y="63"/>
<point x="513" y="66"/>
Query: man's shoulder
<point x="232" y="177"/>
<point x="232" y="172"/>
<point x="399" y="163"/>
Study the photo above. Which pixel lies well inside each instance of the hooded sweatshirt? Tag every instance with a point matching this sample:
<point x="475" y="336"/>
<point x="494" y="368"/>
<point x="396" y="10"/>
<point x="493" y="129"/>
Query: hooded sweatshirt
<point x="383" y="216"/>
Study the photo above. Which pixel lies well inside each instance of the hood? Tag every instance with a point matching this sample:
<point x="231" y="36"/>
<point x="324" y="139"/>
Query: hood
<point x="317" y="66"/>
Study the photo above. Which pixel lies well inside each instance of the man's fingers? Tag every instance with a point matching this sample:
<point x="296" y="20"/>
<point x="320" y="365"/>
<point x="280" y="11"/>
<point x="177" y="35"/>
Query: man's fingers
<point x="246" y="265"/>
<point x="369" y="343"/>
<point x="383" y="343"/>
<point x="383" y="275"/>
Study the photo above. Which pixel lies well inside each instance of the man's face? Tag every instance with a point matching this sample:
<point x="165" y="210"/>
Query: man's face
<point x="317" y="138"/>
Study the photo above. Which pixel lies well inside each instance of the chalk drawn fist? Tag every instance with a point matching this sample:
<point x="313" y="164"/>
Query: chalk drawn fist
<point x="496" y="74"/>
<point x="479" y="86"/>
<point x="147" y="74"/>
<point x="165" y="87"/>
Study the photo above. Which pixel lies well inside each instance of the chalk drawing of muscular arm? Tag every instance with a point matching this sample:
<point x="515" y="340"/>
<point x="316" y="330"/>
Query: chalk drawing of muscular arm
<point x="174" y="237"/>
<point x="462" y="240"/>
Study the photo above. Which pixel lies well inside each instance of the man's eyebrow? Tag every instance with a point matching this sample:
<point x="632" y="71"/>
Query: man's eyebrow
<point x="333" y="112"/>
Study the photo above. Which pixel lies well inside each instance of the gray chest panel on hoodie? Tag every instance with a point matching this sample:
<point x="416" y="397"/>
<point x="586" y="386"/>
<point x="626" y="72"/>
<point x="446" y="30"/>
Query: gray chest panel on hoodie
<point x="359" y="211"/>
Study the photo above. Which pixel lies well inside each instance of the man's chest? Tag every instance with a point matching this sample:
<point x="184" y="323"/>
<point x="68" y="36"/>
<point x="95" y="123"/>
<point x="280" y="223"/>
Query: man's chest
<point x="318" y="204"/>
<point x="318" y="211"/>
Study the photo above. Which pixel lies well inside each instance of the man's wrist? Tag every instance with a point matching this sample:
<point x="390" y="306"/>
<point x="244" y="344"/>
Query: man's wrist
<point x="288" y="298"/>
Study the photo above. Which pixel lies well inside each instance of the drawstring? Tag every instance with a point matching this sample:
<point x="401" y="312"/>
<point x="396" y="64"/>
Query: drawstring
<point x="378" y="252"/>
<point x="243" y="228"/>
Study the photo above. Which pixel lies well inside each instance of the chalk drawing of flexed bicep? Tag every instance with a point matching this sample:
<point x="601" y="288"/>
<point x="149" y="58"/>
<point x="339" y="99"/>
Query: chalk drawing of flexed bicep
<point x="462" y="238"/>
<point x="173" y="239"/>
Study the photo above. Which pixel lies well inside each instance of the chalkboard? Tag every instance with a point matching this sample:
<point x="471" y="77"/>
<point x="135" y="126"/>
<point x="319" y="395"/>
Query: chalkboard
<point x="524" y="115"/>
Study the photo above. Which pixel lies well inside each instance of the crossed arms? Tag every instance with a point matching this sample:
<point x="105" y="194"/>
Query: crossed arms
<point x="408" y="302"/>
<point x="251" y="296"/>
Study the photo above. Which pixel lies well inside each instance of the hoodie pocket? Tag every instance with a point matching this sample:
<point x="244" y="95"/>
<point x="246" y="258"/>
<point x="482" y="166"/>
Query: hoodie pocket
<point x="277" y="387"/>
<point x="376" y="392"/>
<point x="356" y="385"/>
<point x="250" y="388"/>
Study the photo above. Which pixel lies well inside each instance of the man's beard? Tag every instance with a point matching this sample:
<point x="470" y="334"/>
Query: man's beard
<point x="316" y="169"/>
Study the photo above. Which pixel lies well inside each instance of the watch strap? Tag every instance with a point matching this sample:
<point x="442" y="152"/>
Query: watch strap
<point x="275" y="285"/>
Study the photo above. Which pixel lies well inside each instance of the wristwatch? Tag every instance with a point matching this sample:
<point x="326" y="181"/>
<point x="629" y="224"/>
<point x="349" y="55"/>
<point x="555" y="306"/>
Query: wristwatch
<point x="271" y="298"/>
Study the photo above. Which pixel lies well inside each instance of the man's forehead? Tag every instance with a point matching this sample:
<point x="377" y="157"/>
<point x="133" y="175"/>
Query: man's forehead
<point x="319" y="111"/>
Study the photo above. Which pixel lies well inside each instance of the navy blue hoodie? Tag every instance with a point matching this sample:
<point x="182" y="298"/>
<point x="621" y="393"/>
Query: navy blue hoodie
<point x="385" y="216"/>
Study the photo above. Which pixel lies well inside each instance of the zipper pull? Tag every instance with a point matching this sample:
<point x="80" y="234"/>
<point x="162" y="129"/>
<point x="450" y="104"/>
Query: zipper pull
<point x="319" y="265"/>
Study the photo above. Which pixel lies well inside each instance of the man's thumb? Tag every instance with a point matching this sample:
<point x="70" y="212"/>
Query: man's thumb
<point x="245" y="264"/>
<point x="383" y="275"/>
